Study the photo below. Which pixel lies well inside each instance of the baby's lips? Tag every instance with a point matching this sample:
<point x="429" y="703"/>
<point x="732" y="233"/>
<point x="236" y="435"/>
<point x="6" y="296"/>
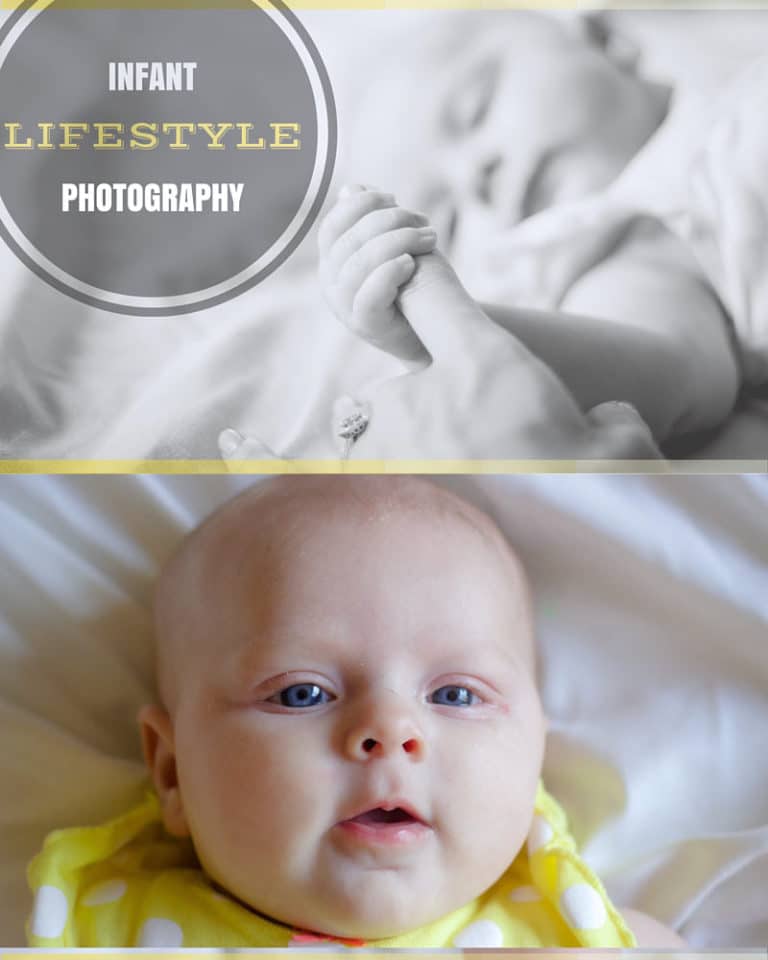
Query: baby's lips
<point x="378" y="816"/>
<point x="384" y="810"/>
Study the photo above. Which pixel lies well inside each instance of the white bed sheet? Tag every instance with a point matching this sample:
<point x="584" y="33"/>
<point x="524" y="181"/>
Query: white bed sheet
<point x="652" y="611"/>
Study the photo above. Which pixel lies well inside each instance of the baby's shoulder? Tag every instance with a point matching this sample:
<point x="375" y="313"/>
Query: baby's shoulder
<point x="652" y="242"/>
<point x="656" y="253"/>
<point x="648" y="265"/>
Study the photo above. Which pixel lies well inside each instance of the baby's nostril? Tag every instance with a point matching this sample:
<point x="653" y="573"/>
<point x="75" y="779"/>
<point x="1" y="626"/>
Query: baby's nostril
<point x="410" y="745"/>
<point x="369" y="744"/>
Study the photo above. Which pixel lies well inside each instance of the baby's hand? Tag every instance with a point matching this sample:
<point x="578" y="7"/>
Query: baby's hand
<point x="367" y="249"/>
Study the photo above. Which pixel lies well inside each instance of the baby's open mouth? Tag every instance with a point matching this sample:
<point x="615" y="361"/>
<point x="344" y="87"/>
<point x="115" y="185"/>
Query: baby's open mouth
<point x="378" y="825"/>
<point x="379" y="815"/>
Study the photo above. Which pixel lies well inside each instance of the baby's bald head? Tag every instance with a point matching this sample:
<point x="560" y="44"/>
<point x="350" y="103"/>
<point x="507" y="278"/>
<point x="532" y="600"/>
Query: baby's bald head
<point x="239" y="554"/>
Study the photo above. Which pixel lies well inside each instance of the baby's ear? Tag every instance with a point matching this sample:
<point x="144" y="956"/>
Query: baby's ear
<point x="160" y="757"/>
<point x="601" y="32"/>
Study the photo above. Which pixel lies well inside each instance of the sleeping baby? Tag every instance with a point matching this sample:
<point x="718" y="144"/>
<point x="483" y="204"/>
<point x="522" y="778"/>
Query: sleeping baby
<point x="519" y="130"/>
<point x="347" y="745"/>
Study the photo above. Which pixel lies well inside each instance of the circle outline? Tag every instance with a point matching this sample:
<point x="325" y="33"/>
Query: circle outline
<point x="269" y="268"/>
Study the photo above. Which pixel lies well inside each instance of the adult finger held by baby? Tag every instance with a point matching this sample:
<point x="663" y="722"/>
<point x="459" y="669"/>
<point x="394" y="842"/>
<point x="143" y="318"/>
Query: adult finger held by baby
<point x="441" y="312"/>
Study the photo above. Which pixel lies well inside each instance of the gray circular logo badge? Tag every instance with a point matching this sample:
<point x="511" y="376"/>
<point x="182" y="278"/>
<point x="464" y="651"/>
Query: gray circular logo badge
<point x="160" y="159"/>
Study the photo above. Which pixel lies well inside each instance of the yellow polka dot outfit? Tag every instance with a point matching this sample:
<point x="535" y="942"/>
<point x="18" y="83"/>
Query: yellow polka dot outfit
<point x="127" y="883"/>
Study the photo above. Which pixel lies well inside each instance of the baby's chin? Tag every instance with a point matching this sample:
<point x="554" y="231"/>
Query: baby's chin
<point x="385" y="903"/>
<point x="374" y="920"/>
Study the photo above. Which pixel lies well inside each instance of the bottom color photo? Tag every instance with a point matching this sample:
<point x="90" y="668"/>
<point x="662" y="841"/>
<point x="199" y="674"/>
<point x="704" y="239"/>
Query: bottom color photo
<point x="347" y="711"/>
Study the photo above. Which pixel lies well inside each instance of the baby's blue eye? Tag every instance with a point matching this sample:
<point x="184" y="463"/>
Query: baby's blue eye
<point x="303" y="695"/>
<point x="454" y="696"/>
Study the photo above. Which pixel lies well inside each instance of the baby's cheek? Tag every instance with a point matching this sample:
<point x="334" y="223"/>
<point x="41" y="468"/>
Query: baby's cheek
<point x="505" y="776"/>
<point x="271" y="782"/>
<point x="238" y="816"/>
<point x="219" y="765"/>
<point x="485" y="775"/>
<point x="578" y="99"/>
<point x="607" y="114"/>
<point x="492" y="825"/>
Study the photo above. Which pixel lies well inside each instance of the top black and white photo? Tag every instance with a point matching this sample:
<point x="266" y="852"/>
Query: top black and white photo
<point x="546" y="238"/>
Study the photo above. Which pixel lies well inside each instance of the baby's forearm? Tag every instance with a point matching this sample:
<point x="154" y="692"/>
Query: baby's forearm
<point x="667" y="352"/>
<point x="599" y="360"/>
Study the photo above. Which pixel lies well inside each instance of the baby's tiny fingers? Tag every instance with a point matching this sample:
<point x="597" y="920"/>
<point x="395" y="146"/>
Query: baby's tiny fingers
<point x="378" y="292"/>
<point x="374" y="224"/>
<point x="380" y="250"/>
<point x="235" y="446"/>
<point x="347" y="212"/>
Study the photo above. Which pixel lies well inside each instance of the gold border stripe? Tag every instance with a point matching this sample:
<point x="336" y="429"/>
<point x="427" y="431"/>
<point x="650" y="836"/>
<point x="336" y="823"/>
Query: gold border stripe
<point x="381" y="466"/>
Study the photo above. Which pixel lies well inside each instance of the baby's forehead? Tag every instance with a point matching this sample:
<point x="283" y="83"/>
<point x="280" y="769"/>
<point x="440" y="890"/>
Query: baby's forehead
<point x="369" y="514"/>
<point x="262" y="536"/>
<point x="276" y="519"/>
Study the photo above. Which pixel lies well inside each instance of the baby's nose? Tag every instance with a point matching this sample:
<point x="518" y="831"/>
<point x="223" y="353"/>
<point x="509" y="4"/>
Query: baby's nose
<point x="386" y="728"/>
<point x="371" y="747"/>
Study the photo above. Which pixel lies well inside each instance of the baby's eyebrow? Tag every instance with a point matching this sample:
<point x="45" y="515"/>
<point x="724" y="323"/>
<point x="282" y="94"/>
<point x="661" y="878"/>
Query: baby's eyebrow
<point x="304" y="637"/>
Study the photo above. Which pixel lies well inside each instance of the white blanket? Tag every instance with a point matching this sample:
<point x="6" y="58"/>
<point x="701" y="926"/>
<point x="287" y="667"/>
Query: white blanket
<point x="652" y="612"/>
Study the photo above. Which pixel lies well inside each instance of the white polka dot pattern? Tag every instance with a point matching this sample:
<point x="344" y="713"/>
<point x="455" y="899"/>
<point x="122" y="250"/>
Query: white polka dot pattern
<point x="481" y="933"/>
<point x="158" y="932"/>
<point x="107" y="892"/>
<point x="539" y="834"/>
<point x="583" y="907"/>
<point x="49" y="917"/>
<point x="525" y="895"/>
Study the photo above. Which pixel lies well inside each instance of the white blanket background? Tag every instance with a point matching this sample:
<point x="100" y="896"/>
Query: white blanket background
<point x="652" y="610"/>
